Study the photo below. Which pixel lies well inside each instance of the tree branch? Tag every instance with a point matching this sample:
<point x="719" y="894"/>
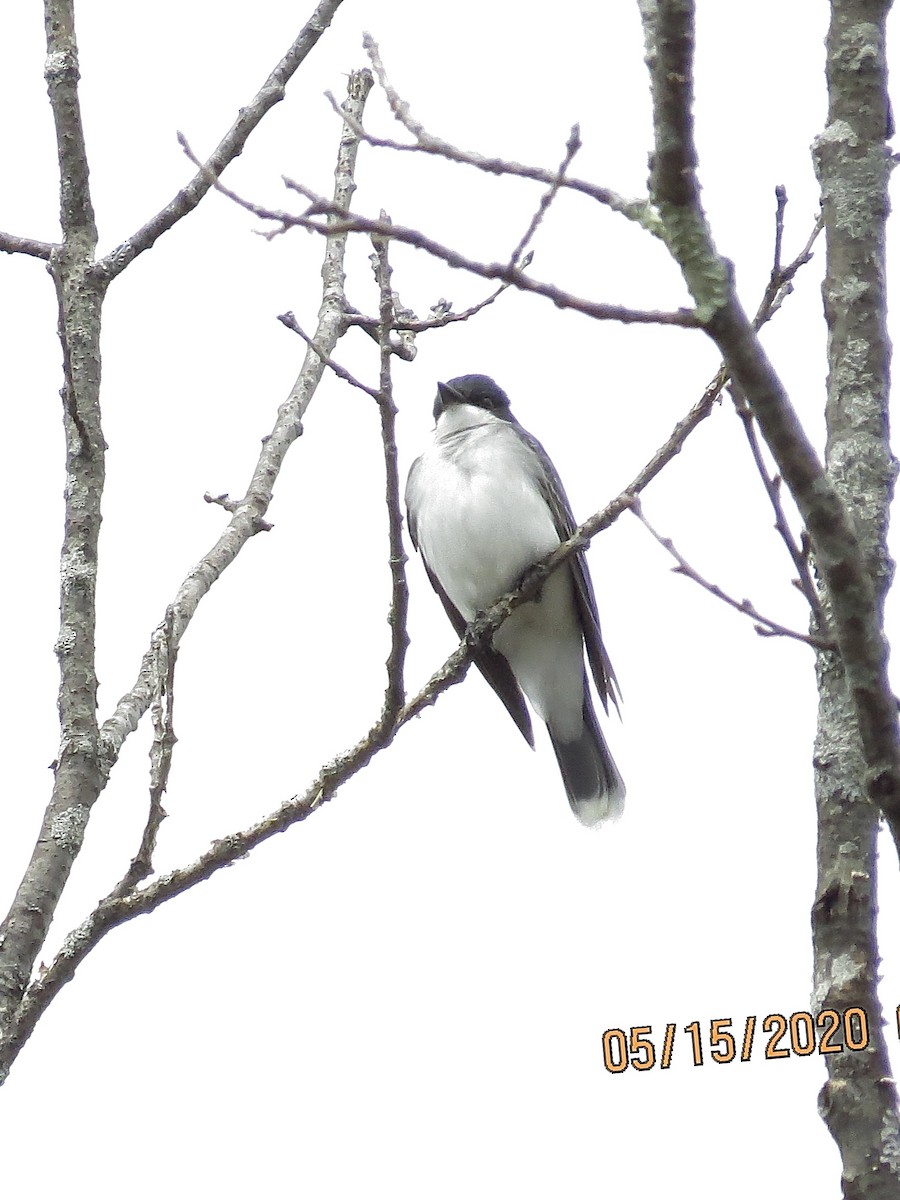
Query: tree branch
<point x="444" y="315"/>
<point x="442" y="310"/>
<point x="764" y="625"/>
<point x="404" y="322"/>
<point x="640" y="211"/>
<point x="11" y="243"/>
<point x="289" y="321"/>
<point x="342" y="220"/>
<point x="573" y="145"/>
<point x="248" y="513"/>
<point x="839" y="556"/>
<point x="797" y="551"/>
<point x="395" y="692"/>
<point x="228" y="149"/>
<point x="162" y="711"/>
<point x="84" y="765"/>
<point x="77" y="775"/>
<point x="350" y="222"/>
<point x="858" y="736"/>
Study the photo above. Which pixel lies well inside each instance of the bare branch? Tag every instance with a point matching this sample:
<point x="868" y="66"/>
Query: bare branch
<point x="290" y="322"/>
<point x="62" y="74"/>
<point x="859" y="1103"/>
<point x="395" y="692"/>
<point x="839" y="556"/>
<point x="349" y="222"/>
<point x="246" y="520"/>
<point x="11" y="243"/>
<point x="162" y="712"/>
<point x="778" y="288"/>
<point x="640" y="210"/>
<point x="765" y="626"/>
<point x="85" y="758"/>
<point x="342" y="221"/>
<point x="248" y="513"/>
<point x="780" y="283"/>
<point x="78" y="774"/>
<point x="443" y="316"/>
<point x="518" y="258"/>
<point x="573" y="145"/>
<point x="228" y="149"/>
<point x="772" y="484"/>
<point x="780" y="205"/>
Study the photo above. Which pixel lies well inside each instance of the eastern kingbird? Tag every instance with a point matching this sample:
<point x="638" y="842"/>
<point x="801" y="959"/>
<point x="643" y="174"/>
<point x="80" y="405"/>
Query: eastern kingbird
<point x="485" y="503"/>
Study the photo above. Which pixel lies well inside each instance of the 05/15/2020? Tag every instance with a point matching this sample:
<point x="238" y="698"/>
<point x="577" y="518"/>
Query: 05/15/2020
<point x="800" y="1034"/>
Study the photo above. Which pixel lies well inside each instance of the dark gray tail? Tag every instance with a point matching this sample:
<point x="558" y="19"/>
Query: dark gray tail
<point x="591" y="778"/>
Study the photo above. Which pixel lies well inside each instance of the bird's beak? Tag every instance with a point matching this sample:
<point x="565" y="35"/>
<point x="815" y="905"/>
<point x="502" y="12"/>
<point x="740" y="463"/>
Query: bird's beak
<point x="445" y="395"/>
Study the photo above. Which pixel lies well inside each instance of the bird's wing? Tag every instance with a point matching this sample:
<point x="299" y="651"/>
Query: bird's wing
<point x="410" y="514"/>
<point x="557" y="500"/>
<point x="492" y="665"/>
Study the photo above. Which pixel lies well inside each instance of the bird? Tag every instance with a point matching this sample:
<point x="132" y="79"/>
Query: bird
<point x="484" y="503"/>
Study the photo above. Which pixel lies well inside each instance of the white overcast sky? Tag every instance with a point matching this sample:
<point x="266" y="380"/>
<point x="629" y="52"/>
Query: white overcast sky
<point x="407" y="995"/>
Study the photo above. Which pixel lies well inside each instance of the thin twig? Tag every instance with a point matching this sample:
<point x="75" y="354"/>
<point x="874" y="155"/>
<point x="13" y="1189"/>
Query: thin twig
<point x="780" y="206"/>
<point x="369" y="325"/>
<point x="395" y="691"/>
<point x="638" y="210"/>
<point x="573" y="145"/>
<point x="249" y="512"/>
<point x="772" y="483"/>
<point x="444" y="315"/>
<point x="228" y="149"/>
<point x="342" y="221"/>
<point x="350" y="222"/>
<point x="290" y="322"/>
<point x="164" y="739"/>
<point x="781" y="279"/>
<point x="764" y="626"/>
<point x="519" y="259"/>
<point x="779" y="286"/>
<point x="223" y="500"/>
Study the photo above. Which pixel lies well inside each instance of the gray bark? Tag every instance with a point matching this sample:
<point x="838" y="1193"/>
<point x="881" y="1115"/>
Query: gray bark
<point x="859" y="1101"/>
<point x="78" y="777"/>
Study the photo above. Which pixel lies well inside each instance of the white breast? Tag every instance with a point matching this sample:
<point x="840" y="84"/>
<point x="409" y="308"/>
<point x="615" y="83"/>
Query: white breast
<point x="480" y="518"/>
<point x="480" y="521"/>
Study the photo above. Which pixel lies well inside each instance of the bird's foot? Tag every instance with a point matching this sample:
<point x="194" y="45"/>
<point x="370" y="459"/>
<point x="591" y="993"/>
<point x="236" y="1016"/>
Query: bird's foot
<point x="532" y="581"/>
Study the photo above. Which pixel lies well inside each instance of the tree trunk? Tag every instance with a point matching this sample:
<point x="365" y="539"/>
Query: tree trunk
<point x="859" y="1100"/>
